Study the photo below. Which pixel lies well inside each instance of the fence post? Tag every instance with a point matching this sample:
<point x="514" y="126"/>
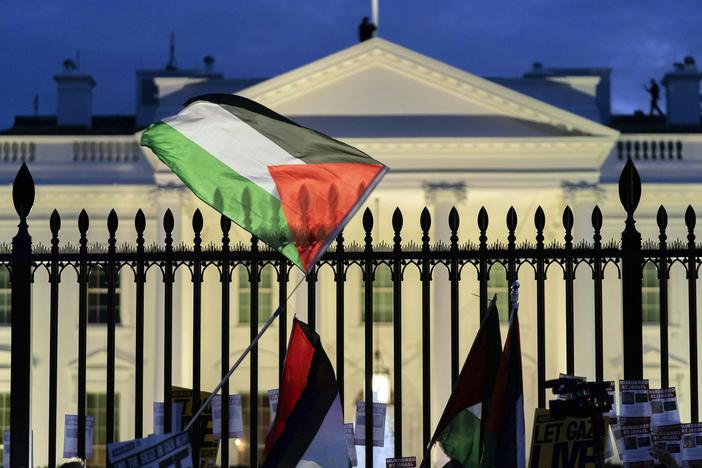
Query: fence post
<point x="632" y="328"/>
<point x="21" y="367"/>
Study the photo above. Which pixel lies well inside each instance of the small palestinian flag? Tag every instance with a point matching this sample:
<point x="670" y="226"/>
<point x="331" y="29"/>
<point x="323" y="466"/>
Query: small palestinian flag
<point x="308" y="429"/>
<point x="290" y="186"/>
<point x="504" y="428"/>
<point x="459" y="430"/>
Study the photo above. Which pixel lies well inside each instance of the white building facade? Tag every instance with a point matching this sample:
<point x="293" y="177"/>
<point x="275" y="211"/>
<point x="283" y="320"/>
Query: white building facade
<point x="450" y="138"/>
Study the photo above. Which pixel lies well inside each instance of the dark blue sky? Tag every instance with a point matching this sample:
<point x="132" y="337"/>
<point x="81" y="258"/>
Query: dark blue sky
<point x="637" y="38"/>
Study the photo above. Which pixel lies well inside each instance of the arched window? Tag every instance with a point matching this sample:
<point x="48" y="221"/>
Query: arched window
<point x="265" y="295"/>
<point x="382" y="296"/>
<point x="97" y="297"/>
<point x="650" y="295"/>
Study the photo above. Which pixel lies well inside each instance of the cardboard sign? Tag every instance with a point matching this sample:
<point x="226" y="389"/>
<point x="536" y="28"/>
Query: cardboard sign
<point x="634" y="443"/>
<point x="633" y="398"/>
<point x="379" y="410"/>
<point x="404" y="462"/>
<point x="350" y="445"/>
<point x="669" y="439"/>
<point x="664" y="407"/>
<point x="209" y="446"/>
<point x="273" y="401"/>
<point x="691" y="444"/>
<point x="160" y="413"/>
<point x="70" y="437"/>
<point x="236" y="420"/>
<point x="158" y="451"/>
<point x="555" y="440"/>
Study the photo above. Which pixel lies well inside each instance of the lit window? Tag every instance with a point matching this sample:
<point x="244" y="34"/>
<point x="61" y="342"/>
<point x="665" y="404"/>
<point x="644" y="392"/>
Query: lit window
<point x="650" y="295"/>
<point x="265" y="295"/>
<point x="497" y="286"/>
<point x="97" y="297"/>
<point x="382" y="296"/>
<point x="5" y="296"/>
<point x="97" y="408"/>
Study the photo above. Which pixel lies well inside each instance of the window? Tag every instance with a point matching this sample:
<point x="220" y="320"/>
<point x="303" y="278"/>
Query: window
<point x="5" y="297"/>
<point x="4" y="414"/>
<point x="497" y="285"/>
<point x="97" y="297"/>
<point x="382" y="296"/>
<point x="97" y="408"/>
<point x="650" y="295"/>
<point x="265" y="295"/>
<point x="264" y="423"/>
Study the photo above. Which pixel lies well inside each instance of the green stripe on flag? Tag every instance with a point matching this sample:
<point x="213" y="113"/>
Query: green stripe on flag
<point x="218" y="185"/>
<point x="460" y="441"/>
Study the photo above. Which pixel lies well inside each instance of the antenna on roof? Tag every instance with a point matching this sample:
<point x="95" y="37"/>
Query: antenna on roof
<point x="172" y="65"/>
<point x="374" y="14"/>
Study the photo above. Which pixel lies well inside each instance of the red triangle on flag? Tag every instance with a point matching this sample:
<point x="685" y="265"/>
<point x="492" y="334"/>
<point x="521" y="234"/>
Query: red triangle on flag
<point x="316" y="198"/>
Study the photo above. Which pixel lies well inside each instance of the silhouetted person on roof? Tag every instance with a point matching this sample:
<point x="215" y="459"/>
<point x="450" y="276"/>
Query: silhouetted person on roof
<point x="365" y="30"/>
<point x="655" y="91"/>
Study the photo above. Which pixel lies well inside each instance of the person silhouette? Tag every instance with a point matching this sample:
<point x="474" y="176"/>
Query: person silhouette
<point x="366" y="29"/>
<point x="655" y="91"/>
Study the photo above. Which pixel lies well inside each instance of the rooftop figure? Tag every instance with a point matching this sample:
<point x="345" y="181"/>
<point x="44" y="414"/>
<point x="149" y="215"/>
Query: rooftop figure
<point x="655" y="91"/>
<point x="366" y="29"/>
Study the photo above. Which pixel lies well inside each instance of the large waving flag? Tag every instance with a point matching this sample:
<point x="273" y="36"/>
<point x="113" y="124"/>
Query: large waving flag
<point x="308" y="429"/>
<point x="459" y="430"/>
<point x="504" y="429"/>
<point x="290" y="186"/>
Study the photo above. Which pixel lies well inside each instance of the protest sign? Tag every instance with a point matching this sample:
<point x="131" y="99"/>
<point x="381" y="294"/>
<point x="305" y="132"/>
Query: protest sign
<point x="610" y="395"/>
<point x="273" y="401"/>
<point x="379" y="410"/>
<point x="669" y="439"/>
<point x="176" y="417"/>
<point x="404" y="462"/>
<point x="664" y="407"/>
<point x="554" y="440"/>
<point x="6" y="448"/>
<point x="70" y="437"/>
<point x="236" y="420"/>
<point x="691" y="444"/>
<point x="634" y="443"/>
<point x="209" y="446"/>
<point x="633" y="398"/>
<point x="158" y="451"/>
<point x="350" y="445"/>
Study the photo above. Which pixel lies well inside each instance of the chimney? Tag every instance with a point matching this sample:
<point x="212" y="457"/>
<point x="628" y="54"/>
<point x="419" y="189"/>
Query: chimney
<point x="75" y="96"/>
<point x="682" y="87"/>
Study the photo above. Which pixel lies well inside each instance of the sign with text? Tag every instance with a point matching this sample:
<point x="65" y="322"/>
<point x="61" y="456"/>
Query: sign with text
<point x="273" y="401"/>
<point x="236" y="420"/>
<point x="350" y="445"/>
<point x="691" y="444"/>
<point x="379" y="410"/>
<point x="562" y="442"/>
<point x="158" y="451"/>
<point x="209" y="446"/>
<point x="669" y="439"/>
<point x="664" y="407"/>
<point x="403" y="462"/>
<point x="176" y="417"/>
<point x="633" y="398"/>
<point x="70" y="437"/>
<point x="634" y="443"/>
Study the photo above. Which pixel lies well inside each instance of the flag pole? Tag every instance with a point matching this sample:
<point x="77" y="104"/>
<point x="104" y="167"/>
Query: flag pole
<point x="238" y="362"/>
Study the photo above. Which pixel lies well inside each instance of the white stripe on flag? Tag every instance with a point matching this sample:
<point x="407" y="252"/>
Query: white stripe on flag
<point x="232" y="141"/>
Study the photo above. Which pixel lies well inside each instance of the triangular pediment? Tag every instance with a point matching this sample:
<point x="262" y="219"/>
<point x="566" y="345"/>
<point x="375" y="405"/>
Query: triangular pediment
<point x="377" y="79"/>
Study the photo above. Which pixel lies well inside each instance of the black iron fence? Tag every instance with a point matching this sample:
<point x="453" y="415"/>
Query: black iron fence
<point x="630" y="256"/>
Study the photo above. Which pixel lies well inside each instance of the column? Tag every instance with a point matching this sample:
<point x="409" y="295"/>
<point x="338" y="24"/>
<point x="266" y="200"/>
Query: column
<point x="582" y="198"/>
<point x="440" y="199"/>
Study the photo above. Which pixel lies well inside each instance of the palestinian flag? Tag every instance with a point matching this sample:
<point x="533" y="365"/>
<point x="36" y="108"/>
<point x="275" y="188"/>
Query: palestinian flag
<point x="308" y="429"/>
<point x="290" y="186"/>
<point x="504" y="428"/>
<point x="459" y="430"/>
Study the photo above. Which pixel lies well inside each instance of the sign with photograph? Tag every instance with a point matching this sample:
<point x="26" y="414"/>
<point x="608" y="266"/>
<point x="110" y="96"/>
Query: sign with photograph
<point x="669" y="439"/>
<point x="634" y="443"/>
<point x="70" y="437"/>
<point x="379" y="410"/>
<point x="664" y="407"/>
<point x="633" y="398"/>
<point x="691" y="444"/>
<point x="236" y="420"/>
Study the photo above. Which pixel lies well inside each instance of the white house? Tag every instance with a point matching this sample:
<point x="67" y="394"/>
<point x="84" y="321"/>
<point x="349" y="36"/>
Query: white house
<point x="451" y="138"/>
